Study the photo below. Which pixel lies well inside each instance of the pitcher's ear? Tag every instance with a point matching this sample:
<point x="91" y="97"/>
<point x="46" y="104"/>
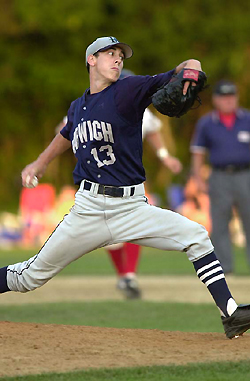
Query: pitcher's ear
<point x="91" y="60"/>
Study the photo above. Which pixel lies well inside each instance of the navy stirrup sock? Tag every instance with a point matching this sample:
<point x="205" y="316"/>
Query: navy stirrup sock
<point x="210" y="272"/>
<point x="3" y="280"/>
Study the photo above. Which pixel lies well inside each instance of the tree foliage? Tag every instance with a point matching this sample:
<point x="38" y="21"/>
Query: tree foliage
<point x="42" y="51"/>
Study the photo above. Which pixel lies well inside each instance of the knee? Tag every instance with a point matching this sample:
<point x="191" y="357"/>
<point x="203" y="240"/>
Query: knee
<point x="200" y="242"/>
<point x="23" y="284"/>
<point x="30" y="275"/>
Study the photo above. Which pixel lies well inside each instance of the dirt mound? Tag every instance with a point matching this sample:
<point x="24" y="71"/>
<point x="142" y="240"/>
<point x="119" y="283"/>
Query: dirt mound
<point x="36" y="348"/>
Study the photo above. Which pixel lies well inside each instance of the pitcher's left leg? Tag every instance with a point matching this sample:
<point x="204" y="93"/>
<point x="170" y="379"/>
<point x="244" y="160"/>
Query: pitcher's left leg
<point x="170" y="231"/>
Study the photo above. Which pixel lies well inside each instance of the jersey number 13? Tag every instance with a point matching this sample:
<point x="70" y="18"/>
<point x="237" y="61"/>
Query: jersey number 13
<point x="110" y="155"/>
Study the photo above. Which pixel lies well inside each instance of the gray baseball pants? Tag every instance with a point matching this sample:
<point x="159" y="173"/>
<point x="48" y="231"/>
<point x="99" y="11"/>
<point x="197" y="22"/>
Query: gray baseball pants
<point x="228" y="190"/>
<point x="96" y="221"/>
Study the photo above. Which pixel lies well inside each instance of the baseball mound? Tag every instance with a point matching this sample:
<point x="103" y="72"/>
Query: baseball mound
<point x="28" y="348"/>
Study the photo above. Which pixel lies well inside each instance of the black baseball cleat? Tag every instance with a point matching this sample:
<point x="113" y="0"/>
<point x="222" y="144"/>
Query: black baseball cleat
<point x="238" y="323"/>
<point x="129" y="287"/>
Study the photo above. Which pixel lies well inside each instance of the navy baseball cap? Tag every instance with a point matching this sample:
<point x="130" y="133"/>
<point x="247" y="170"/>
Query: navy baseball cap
<point x="104" y="43"/>
<point x="224" y="87"/>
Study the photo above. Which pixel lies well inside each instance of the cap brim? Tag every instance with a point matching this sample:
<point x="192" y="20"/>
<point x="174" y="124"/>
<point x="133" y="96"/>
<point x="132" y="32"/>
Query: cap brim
<point x="225" y="88"/>
<point x="127" y="50"/>
<point x="228" y="93"/>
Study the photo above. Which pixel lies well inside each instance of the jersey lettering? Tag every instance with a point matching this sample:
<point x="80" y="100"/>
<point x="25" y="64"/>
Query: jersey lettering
<point x="97" y="134"/>
<point x="89" y="131"/>
<point x="109" y="153"/>
<point x="95" y="154"/>
<point x="107" y="132"/>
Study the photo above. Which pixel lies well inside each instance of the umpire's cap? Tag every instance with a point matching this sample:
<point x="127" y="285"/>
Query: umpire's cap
<point x="104" y="43"/>
<point x="224" y="87"/>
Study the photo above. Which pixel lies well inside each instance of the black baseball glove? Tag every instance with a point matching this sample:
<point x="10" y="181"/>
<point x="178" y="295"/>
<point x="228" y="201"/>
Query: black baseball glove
<point x="169" y="99"/>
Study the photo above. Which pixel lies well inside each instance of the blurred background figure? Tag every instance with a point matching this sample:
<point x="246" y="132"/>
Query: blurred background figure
<point x="36" y="210"/>
<point x="64" y="202"/>
<point x="40" y="209"/>
<point x="196" y="203"/>
<point x="224" y="134"/>
<point x="125" y="256"/>
<point x="11" y="230"/>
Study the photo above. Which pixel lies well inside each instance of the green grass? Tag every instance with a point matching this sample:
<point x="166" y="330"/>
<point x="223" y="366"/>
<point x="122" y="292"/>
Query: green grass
<point x="225" y="371"/>
<point x="153" y="262"/>
<point x="120" y="314"/>
<point x="131" y="314"/>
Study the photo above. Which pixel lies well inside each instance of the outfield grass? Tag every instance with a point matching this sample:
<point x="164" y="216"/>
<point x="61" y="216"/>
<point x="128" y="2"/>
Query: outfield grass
<point x="120" y="314"/>
<point x="153" y="262"/>
<point x="225" y="371"/>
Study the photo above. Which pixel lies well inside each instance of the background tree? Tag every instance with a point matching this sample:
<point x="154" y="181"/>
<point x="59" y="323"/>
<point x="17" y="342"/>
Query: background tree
<point x="42" y="51"/>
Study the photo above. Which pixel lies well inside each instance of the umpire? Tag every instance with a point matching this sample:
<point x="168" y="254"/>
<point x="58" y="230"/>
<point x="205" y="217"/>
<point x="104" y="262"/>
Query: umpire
<point x="225" y="134"/>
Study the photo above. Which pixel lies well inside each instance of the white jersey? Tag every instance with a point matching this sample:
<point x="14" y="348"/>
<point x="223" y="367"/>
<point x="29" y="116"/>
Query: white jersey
<point x="150" y="123"/>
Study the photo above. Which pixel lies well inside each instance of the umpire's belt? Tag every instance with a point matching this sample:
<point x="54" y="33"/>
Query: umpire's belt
<point x="110" y="191"/>
<point x="231" y="168"/>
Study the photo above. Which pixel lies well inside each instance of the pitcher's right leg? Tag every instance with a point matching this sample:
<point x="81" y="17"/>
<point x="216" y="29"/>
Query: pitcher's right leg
<point x="74" y="237"/>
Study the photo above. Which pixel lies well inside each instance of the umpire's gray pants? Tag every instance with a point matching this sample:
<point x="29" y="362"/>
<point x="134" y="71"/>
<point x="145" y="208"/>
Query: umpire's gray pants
<point x="96" y="221"/>
<point x="227" y="190"/>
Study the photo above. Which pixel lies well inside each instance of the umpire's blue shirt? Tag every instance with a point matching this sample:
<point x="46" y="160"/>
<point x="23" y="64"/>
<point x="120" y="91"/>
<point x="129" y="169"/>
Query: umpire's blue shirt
<point x="225" y="146"/>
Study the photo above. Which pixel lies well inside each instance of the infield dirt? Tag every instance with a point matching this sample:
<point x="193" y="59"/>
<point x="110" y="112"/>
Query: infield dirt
<point x="29" y="348"/>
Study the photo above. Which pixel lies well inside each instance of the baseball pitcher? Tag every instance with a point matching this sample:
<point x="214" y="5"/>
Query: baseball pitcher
<point x="104" y="130"/>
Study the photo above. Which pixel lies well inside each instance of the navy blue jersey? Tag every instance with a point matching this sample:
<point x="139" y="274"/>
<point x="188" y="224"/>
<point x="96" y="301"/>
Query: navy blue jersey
<point x="225" y="146"/>
<point x="105" y="130"/>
